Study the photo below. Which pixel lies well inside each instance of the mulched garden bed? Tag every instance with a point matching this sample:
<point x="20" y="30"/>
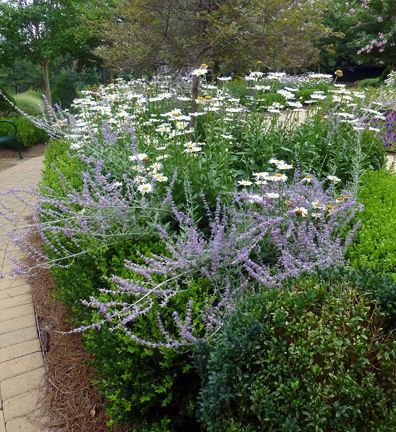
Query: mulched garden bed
<point x="70" y="401"/>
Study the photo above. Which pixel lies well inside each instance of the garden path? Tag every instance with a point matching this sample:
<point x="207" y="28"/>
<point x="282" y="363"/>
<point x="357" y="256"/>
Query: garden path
<point x="390" y="159"/>
<point x="22" y="366"/>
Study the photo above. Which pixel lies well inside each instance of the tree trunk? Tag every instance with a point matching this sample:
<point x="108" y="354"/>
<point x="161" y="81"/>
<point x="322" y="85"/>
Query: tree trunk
<point x="104" y="76"/>
<point x="318" y="66"/>
<point x="111" y="76"/>
<point x="47" y="91"/>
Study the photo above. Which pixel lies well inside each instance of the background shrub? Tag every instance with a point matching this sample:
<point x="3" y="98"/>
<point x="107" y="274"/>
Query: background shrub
<point x="385" y="74"/>
<point x="267" y="99"/>
<point x="64" y="92"/>
<point x="28" y="133"/>
<point x="30" y="102"/>
<point x="368" y="82"/>
<point x="309" y="358"/>
<point x="5" y="107"/>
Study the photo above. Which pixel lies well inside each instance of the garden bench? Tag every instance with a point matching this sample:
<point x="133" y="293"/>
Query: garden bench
<point x="12" y="136"/>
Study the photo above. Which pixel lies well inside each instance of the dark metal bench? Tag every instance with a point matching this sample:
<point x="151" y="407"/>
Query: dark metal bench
<point x="11" y="136"/>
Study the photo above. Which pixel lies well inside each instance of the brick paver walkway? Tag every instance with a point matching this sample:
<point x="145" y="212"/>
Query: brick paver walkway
<point x="21" y="363"/>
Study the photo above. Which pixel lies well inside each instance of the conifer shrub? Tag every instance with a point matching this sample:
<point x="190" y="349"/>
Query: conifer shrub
<point x="64" y="92"/>
<point x="385" y="74"/>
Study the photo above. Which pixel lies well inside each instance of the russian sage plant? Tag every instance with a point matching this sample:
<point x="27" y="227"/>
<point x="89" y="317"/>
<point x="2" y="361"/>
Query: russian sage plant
<point x="259" y="240"/>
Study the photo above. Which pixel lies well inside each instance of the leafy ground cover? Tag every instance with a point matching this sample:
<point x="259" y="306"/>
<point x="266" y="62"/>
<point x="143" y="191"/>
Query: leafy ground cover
<point x="164" y="225"/>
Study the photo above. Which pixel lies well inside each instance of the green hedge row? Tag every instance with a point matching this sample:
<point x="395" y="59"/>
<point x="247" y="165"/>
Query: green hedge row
<point x="375" y="242"/>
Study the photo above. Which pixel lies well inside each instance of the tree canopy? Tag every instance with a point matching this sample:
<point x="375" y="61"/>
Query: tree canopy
<point x="374" y="29"/>
<point x="40" y="31"/>
<point x="149" y="34"/>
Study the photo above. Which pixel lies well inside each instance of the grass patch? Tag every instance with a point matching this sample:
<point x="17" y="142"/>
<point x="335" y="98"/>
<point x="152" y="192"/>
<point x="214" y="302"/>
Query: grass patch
<point x="30" y="102"/>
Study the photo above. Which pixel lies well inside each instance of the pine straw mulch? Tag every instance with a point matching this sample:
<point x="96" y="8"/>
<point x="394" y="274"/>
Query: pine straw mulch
<point x="70" y="401"/>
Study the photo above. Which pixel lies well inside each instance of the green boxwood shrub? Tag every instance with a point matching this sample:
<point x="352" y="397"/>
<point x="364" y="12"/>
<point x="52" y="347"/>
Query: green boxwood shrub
<point x="153" y="389"/>
<point x="64" y="92"/>
<point x="374" y="245"/>
<point x="380" y="288"/>
<point x="310" y="358"/>
<point x="28" y="133"/>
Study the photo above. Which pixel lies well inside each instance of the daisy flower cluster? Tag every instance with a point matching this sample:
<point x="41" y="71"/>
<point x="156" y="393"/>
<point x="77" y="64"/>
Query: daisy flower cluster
<point x="135" y="125"/>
